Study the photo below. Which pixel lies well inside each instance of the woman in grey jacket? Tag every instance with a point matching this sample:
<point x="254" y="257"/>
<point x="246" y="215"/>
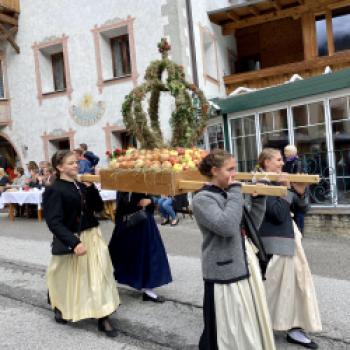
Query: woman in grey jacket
<point x="235" y="309"/>
<point x="289" y="287"/>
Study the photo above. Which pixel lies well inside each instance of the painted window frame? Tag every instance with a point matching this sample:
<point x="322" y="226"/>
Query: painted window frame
<point x="97" y="31"/>
<point x="63" y="41"/>
<point x="5" y="101"/>
<point x="207" y="77"/>
<point x="47" y="137"/>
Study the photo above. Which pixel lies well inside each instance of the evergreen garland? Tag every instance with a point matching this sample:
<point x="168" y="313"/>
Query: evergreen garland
<point x="187" y="126"/>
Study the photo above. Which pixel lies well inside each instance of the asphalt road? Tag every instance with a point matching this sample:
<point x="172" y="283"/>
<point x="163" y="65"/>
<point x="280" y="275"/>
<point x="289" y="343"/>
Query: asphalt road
<point x="27" y="323"/>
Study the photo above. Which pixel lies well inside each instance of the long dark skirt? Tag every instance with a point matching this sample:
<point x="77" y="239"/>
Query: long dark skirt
<point x="138" y="255"/>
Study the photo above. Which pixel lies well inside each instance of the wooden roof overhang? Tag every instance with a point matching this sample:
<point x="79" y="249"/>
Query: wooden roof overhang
<point x="9" y="12"/>
<point x="236" y="17"/>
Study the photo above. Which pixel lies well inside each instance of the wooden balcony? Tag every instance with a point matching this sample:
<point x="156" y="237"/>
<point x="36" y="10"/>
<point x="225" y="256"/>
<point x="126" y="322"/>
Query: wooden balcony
<point x="278" y="75"/>
<point x="9" y="12"/>
<point x="10" y="5"/>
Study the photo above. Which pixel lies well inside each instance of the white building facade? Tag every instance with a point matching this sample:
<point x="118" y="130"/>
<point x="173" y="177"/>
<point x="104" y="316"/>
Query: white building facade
<point x="79" y="59"/>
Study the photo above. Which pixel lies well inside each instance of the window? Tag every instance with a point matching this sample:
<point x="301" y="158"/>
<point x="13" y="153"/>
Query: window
<point x="339" y="108"/>
<point x="216" y="136"/>
<point x="115" y="53"/>
<point x="120" y="56"/>
<point x="333" y="31"/>
<point x="2" y="87"/>
<point x="209" y="52"/>
<point x="243" y="137"/>
<point x="310" y="138"/>
<point x="321" y="35"/>
<point x="341" y="28"/>
<point x="59" y="77"/>
<point x="274" y="129"/>
<point x="52" y="68"/>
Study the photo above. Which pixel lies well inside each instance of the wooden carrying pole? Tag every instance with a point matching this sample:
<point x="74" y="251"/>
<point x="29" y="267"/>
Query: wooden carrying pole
<point x="263" y="190"/>
<point x="301" y="178"/>
<point x="191" y="186"/>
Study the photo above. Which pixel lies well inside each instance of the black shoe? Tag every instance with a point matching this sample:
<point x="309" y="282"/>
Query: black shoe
<point x="175" y="223"/>
<point x="146" y="297"/>
<point x="166" y="222"/>
<point x="58" y="317"/>
<point x="311" y="345"/>
<point x="105" y="325"/>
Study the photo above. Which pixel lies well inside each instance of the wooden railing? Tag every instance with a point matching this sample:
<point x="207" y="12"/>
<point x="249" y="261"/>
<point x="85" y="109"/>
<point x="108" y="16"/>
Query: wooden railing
<point x="11" y="5"/>
<point x="278" y="75"/>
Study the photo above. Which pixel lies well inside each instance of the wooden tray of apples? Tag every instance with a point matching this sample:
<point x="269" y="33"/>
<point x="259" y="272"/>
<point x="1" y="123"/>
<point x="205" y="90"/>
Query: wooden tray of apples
<point x="157" y="171"/>
<point x="164" y="172"/>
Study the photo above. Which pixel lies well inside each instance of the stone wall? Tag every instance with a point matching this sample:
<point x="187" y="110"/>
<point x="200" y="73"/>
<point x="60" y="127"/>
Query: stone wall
<point x="332" y="222"/>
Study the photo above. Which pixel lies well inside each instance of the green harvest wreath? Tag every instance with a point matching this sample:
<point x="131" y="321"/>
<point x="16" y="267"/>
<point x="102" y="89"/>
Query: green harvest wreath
<point x="187" y="125"/>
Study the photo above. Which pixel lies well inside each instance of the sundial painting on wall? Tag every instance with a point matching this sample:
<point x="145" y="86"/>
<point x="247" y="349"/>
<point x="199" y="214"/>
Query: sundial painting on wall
<point x="87" y="112"/>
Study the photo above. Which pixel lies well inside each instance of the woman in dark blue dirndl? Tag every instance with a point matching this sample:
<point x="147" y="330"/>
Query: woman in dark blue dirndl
<point x="137" y="252"/>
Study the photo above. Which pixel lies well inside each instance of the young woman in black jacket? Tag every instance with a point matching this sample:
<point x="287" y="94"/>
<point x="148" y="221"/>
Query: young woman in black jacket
<point x="289" y="287"/>
<point x="80" y="274"/>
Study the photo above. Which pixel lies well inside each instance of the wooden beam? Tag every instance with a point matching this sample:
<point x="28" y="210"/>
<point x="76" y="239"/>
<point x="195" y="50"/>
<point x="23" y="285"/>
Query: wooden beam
<point x="8" y="19"/>
<point x="9" y="37"/>
<point x="9" y="32"/>
<point x="232" y="15"/>
<point x="290" y="12"/>
<point x="330" y="38"/>
<point x="277" y="4"/>
<point x="264" y="190"/>
<point x="253" y="10"/>
<point x="309" y="36"/>
<point x="301" y="178"/>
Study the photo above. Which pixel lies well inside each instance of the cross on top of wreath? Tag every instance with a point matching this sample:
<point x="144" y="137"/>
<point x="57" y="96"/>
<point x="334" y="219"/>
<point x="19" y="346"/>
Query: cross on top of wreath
<point x="186" y="122"/>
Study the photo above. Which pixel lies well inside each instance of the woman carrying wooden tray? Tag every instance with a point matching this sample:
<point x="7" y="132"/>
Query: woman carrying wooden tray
<point x="235" y="311"/>
<point x="289" y="287"/>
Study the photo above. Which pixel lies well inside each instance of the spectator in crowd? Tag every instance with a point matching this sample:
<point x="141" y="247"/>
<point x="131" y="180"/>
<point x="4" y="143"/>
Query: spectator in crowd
<point x="4" y="179"/>
<point x="48" y="176"/>
<point x="3" y="162"/>
<point x="20" y="179"/>
<point x="167" y="210"/>
<point x="90" y="156"/>
<point x="293" y="165"/>
<point x="42" y="166"/>
<point x="84" y="164"/>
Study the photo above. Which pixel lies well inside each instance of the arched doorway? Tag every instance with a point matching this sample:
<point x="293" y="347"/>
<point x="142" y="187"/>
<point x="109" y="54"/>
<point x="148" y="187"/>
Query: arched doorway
<point x="8" y="151"/>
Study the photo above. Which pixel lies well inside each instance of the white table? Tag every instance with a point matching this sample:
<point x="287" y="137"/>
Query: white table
<point x="33" y="196"/>
<point x="109" y="197"/>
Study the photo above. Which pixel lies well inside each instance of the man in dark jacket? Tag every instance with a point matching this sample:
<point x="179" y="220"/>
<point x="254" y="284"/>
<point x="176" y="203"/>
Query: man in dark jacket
<point x="90" y="156"/>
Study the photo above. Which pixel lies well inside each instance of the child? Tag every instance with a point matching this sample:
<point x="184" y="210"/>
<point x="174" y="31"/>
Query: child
<point x="235" y="311"/>
<point x="289" y="287"/>
<point x="80" y="274"/>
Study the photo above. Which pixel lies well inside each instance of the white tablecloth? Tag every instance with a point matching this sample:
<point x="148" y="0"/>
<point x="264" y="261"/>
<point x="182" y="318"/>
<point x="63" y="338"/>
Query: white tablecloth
<point x="108" y="195"/>
<point x="35" y="197"/>
<point x="22" y="197"/>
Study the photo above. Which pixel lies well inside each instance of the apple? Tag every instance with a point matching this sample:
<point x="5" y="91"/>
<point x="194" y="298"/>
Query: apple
<point x="180" y="151"/>
<point x="177" y="167"/>
<point x="173" y="160"/>
<point x="191" y="165"/>
<point x="164" y="156"/>
<point x="173" y="153"/>
<point x="139" y="163"/>
<point x="167" y="165"/>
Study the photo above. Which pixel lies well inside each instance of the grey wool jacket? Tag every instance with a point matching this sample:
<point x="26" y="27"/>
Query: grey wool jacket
<point x="219" y="216"/>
